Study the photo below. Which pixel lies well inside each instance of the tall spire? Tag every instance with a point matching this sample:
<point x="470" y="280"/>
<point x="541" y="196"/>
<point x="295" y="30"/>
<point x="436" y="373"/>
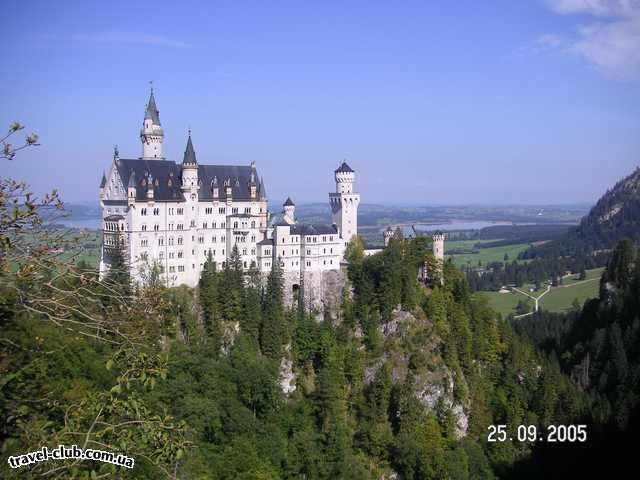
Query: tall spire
<point x="189" y="152"/>
<point x="152" y="111"/>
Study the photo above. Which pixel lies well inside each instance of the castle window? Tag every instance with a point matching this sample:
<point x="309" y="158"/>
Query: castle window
<point x="253" y="251"/>
<point x="193" y="223"/>
<point x="180" y="254"/>
<point x="213" y="239"/>
<point x="161" y="255"/>
<point x="253" y="238"/>
<point x="222" y="238"/>
<point x="143" y="242"/>
<point x="308" y="251"/>
<point x="235" y="224"/>
<point x="179" y="240"/>
<point x="253" y="224"/>
<point x="171" y="226"/>
<point x="204" y="225"/>
<point x="208" y="210"/>
<point x="172" y="269"/>
<point x="156" y="227"/>
<point x="331" y="238"/>
<point x="308" y="264"/>
<point x="156" y="211"/>
<point x="180" y="226"/>
<point x="161" y="241"/>
<point x="200" y="239"/>
<point x="143" y="211"/>
<point x="221" y="210"/>
<point x="170" y="240"/>
<point x="144" y="227"/>
<point x="180" y="211"/>
<point x="223" y="225"/>
<point x="213" y="225"/>
<point x="247" y="210"/>
<point x="244" y="251"/>
<point x="181" y="268"/>
<point x="171" y="254"/>
<point x="234" y="210"/>
<point x="223" y="254"/>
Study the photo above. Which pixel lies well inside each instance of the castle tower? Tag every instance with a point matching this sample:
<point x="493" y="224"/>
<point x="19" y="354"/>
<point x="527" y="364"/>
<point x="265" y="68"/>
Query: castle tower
<point x="387" y="235"/>
<point x="151" y="133"/>
<point x="438" y="246"/>
<point x="189" y="168"/>
<point x="344" y="203"/>
<point x="288" y="210"/>
<point x="438" y="253"/>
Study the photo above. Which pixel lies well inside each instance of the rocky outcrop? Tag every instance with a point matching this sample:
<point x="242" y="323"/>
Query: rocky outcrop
<point x="433" y="382"/>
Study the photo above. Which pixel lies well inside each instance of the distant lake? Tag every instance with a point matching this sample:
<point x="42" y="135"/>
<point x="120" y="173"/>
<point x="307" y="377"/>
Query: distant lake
<point x="464" y="225"/>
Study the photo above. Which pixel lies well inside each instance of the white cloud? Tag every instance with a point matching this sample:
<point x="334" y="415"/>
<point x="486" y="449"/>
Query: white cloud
<point x="130" y="38"/>
<point x="611" y="44"/>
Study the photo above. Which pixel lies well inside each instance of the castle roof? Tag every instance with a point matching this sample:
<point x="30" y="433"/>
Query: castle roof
<point x="344" y="168"/>
<point x="135" y="172"/>
<point x="189" y="152"/>
<point x="103" y="182"/>
<point x="288" y="203"/>
<point x="266" y="241"/>
<point x="152" y="111"/>
<point x="313" y="229"/>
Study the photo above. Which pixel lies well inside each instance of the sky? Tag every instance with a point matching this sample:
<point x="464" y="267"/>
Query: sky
<point x="439" y="102"/>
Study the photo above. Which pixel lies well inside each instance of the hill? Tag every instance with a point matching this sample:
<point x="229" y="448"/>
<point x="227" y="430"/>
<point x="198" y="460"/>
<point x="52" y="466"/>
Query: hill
<point x="614" y="217"/>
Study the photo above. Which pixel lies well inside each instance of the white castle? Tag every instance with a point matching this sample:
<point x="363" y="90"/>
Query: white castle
<point x="174" y="214"/>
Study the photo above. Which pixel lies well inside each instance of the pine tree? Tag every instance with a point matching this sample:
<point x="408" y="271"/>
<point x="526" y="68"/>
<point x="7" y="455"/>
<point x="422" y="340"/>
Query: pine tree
<point x="273" y="331"/>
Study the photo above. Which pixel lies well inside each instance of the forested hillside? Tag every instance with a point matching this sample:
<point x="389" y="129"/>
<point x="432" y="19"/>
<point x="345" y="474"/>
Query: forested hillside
<point x="224" y="382"/>
<point x="614" y="217"/>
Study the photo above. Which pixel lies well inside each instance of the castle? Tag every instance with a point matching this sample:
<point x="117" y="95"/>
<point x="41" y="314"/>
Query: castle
<point x="173" y="215"/>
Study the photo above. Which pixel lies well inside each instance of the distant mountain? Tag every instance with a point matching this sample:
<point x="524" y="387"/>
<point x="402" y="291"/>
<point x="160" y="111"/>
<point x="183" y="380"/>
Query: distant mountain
<point x="614" y="217"/>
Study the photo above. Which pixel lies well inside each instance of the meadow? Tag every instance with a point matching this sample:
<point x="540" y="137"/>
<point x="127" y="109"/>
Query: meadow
<point x="558" y="299"/>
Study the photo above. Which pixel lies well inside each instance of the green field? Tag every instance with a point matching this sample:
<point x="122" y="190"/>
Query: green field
<point x="559" y="299"/>
<point x="484" y="255"/>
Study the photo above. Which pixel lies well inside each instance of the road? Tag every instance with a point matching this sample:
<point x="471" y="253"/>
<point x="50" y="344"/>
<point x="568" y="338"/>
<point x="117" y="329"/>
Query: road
<point x="535" y="299"/>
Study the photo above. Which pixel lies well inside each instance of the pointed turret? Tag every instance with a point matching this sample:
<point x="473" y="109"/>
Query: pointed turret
<point x="263" y="190"/>
<point x="190" y="167"/>
<point x="289" y="211"/>
<point x="103" y="182"/>
<point x="131" y="188"/>
<point x="151" y="134"/>
<point x="189" y="153"/>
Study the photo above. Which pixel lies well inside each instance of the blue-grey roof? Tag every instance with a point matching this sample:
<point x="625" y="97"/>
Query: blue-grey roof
<point x="344" y="168"/>
<point x="116" y="203"/>
<point x="136" y="172"/>
<point x="152" y="111"/>
<point x="313" y="229"/>
<point x="288" y="203"/>
<point x="169" y="177"/>
<point x="266" y="241"/>
<point x="103" y="182"/>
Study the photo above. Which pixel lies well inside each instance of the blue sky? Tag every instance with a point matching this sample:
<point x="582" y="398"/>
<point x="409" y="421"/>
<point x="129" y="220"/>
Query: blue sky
<point x="449" y="102"/>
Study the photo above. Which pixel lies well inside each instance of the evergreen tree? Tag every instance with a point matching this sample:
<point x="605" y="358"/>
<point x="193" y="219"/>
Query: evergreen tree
<point x="273" y="331"/>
